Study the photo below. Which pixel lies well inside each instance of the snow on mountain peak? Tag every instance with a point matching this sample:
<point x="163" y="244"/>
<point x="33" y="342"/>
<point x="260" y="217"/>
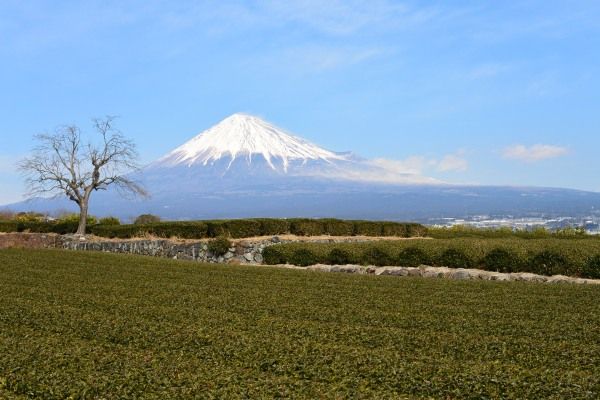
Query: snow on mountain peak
<point x="243" y="135"/>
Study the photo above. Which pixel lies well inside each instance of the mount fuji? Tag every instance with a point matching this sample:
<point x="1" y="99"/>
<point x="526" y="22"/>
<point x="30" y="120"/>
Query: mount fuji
<point x="246" y="146"/>
<point x="247" y="167"/>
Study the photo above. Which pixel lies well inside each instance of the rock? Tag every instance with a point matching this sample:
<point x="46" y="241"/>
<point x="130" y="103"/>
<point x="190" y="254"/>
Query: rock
<point x="559" y="279"/>
<point x="350" y="269"/>
<point x="528" y="277"/>
<point x="249" y="257"/>
<point x="275" y="239"/>
<point x="398" y="271"/>
<point x="476" y="274"/>
<point x="228" y="255"/>
<point x="321" y="268"/>
<point x="432" y="272"/>
<point x="258" y="258"/>
<point x="460" y="274"/>
<point x="499" y="276"/>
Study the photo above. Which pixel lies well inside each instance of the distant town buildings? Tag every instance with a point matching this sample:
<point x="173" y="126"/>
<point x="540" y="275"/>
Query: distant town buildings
<point x="590" y="223"/>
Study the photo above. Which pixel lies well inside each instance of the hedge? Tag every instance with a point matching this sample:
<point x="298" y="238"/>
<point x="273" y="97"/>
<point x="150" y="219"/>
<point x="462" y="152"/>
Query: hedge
<point x="38" y="227"/>
<point x="575" y="257"/>
<point x="465" y="231"/>
<point x="233" y="228"/>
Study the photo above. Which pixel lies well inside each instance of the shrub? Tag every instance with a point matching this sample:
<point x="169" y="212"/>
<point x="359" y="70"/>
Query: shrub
<point x="548" y="262"/>
<point x="272" y="226"/>
<point x="9" y="226"/>
<point x="219" y="246"/>
<point x="368" y="228"/>
<point x="185" y="230"/>
<point x="74" y="218"/>
<point x="376" y="256"/>
<point x="394" y="229"/>
<point x="240" y="228"/>
<point x="7" y="215"/>
<point x="591" y="268"/>
<point x="502" y="260"/>
<point x="455" y="258"/>
<point x="412" y="257"/>
<point x="570" y="232"/>
<point x="337" y="227"/>
<point x="216" y="228"/>
<point x="402" y="229"/>
<point x="539" y="232"/>
<point x="109" y="221"/>
<point x="338" y="256"/>
<point x="146" y="219"/>
<point x="64" y="227"/>
<point x="465" y="231"/>
<point x="306" y="227"/>
<point x="303" y="257"/>
<point x="274" y="255"/>
<point x="416" y="230"/>
<point x="237" y="228"/>
<point x="119" y="231"/>
<point x="30" y="217"/>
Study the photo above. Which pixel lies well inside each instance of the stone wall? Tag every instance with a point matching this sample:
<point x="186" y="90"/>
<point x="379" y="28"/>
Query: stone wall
<point x="425" y="271"/>
<point x="240" y="252"/>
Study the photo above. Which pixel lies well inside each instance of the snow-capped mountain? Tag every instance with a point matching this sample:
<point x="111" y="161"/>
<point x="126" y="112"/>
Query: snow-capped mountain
<point x="246" y="144"/>
<point x="247" y="137"/>
<point x="246" y="167"/>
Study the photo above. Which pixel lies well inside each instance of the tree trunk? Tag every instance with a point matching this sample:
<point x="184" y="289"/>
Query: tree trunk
<point x="83" y="212"/>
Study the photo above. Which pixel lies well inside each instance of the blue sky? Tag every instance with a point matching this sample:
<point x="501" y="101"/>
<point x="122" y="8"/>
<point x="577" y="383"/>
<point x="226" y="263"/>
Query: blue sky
<point x="464" y="91"/>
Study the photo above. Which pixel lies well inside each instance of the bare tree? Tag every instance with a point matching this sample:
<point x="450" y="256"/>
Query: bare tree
<point x="62" y="166"/>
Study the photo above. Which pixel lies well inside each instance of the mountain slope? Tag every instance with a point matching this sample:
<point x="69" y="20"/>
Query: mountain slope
<point x="242" y="135"/>
<point x="243" y="145"/>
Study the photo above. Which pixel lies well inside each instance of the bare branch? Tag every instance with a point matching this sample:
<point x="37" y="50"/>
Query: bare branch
<point x="60" y="165"/>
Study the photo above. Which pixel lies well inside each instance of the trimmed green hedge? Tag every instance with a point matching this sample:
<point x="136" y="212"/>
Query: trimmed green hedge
<point x="551" y="256"/>
<point x="465" y="231"/>
<point x="39" y="227"/>
<point x="234" y="228"/>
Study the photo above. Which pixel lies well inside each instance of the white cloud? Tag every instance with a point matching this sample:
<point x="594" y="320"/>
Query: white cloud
<point x="411" y="165"/>
<point x="412" y="170"/>
<point x="381" y="175"/>
<point x="420" y="165"/>
<point x="534" y="153"/>
<point x="453" y="162"/>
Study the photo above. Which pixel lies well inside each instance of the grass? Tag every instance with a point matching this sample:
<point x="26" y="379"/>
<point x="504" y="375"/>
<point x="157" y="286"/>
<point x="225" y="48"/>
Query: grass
<point x="92" y="325"/>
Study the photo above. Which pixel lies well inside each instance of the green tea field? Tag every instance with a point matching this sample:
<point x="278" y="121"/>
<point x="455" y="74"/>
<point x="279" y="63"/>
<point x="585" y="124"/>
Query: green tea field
<point x="105" y="326"/>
